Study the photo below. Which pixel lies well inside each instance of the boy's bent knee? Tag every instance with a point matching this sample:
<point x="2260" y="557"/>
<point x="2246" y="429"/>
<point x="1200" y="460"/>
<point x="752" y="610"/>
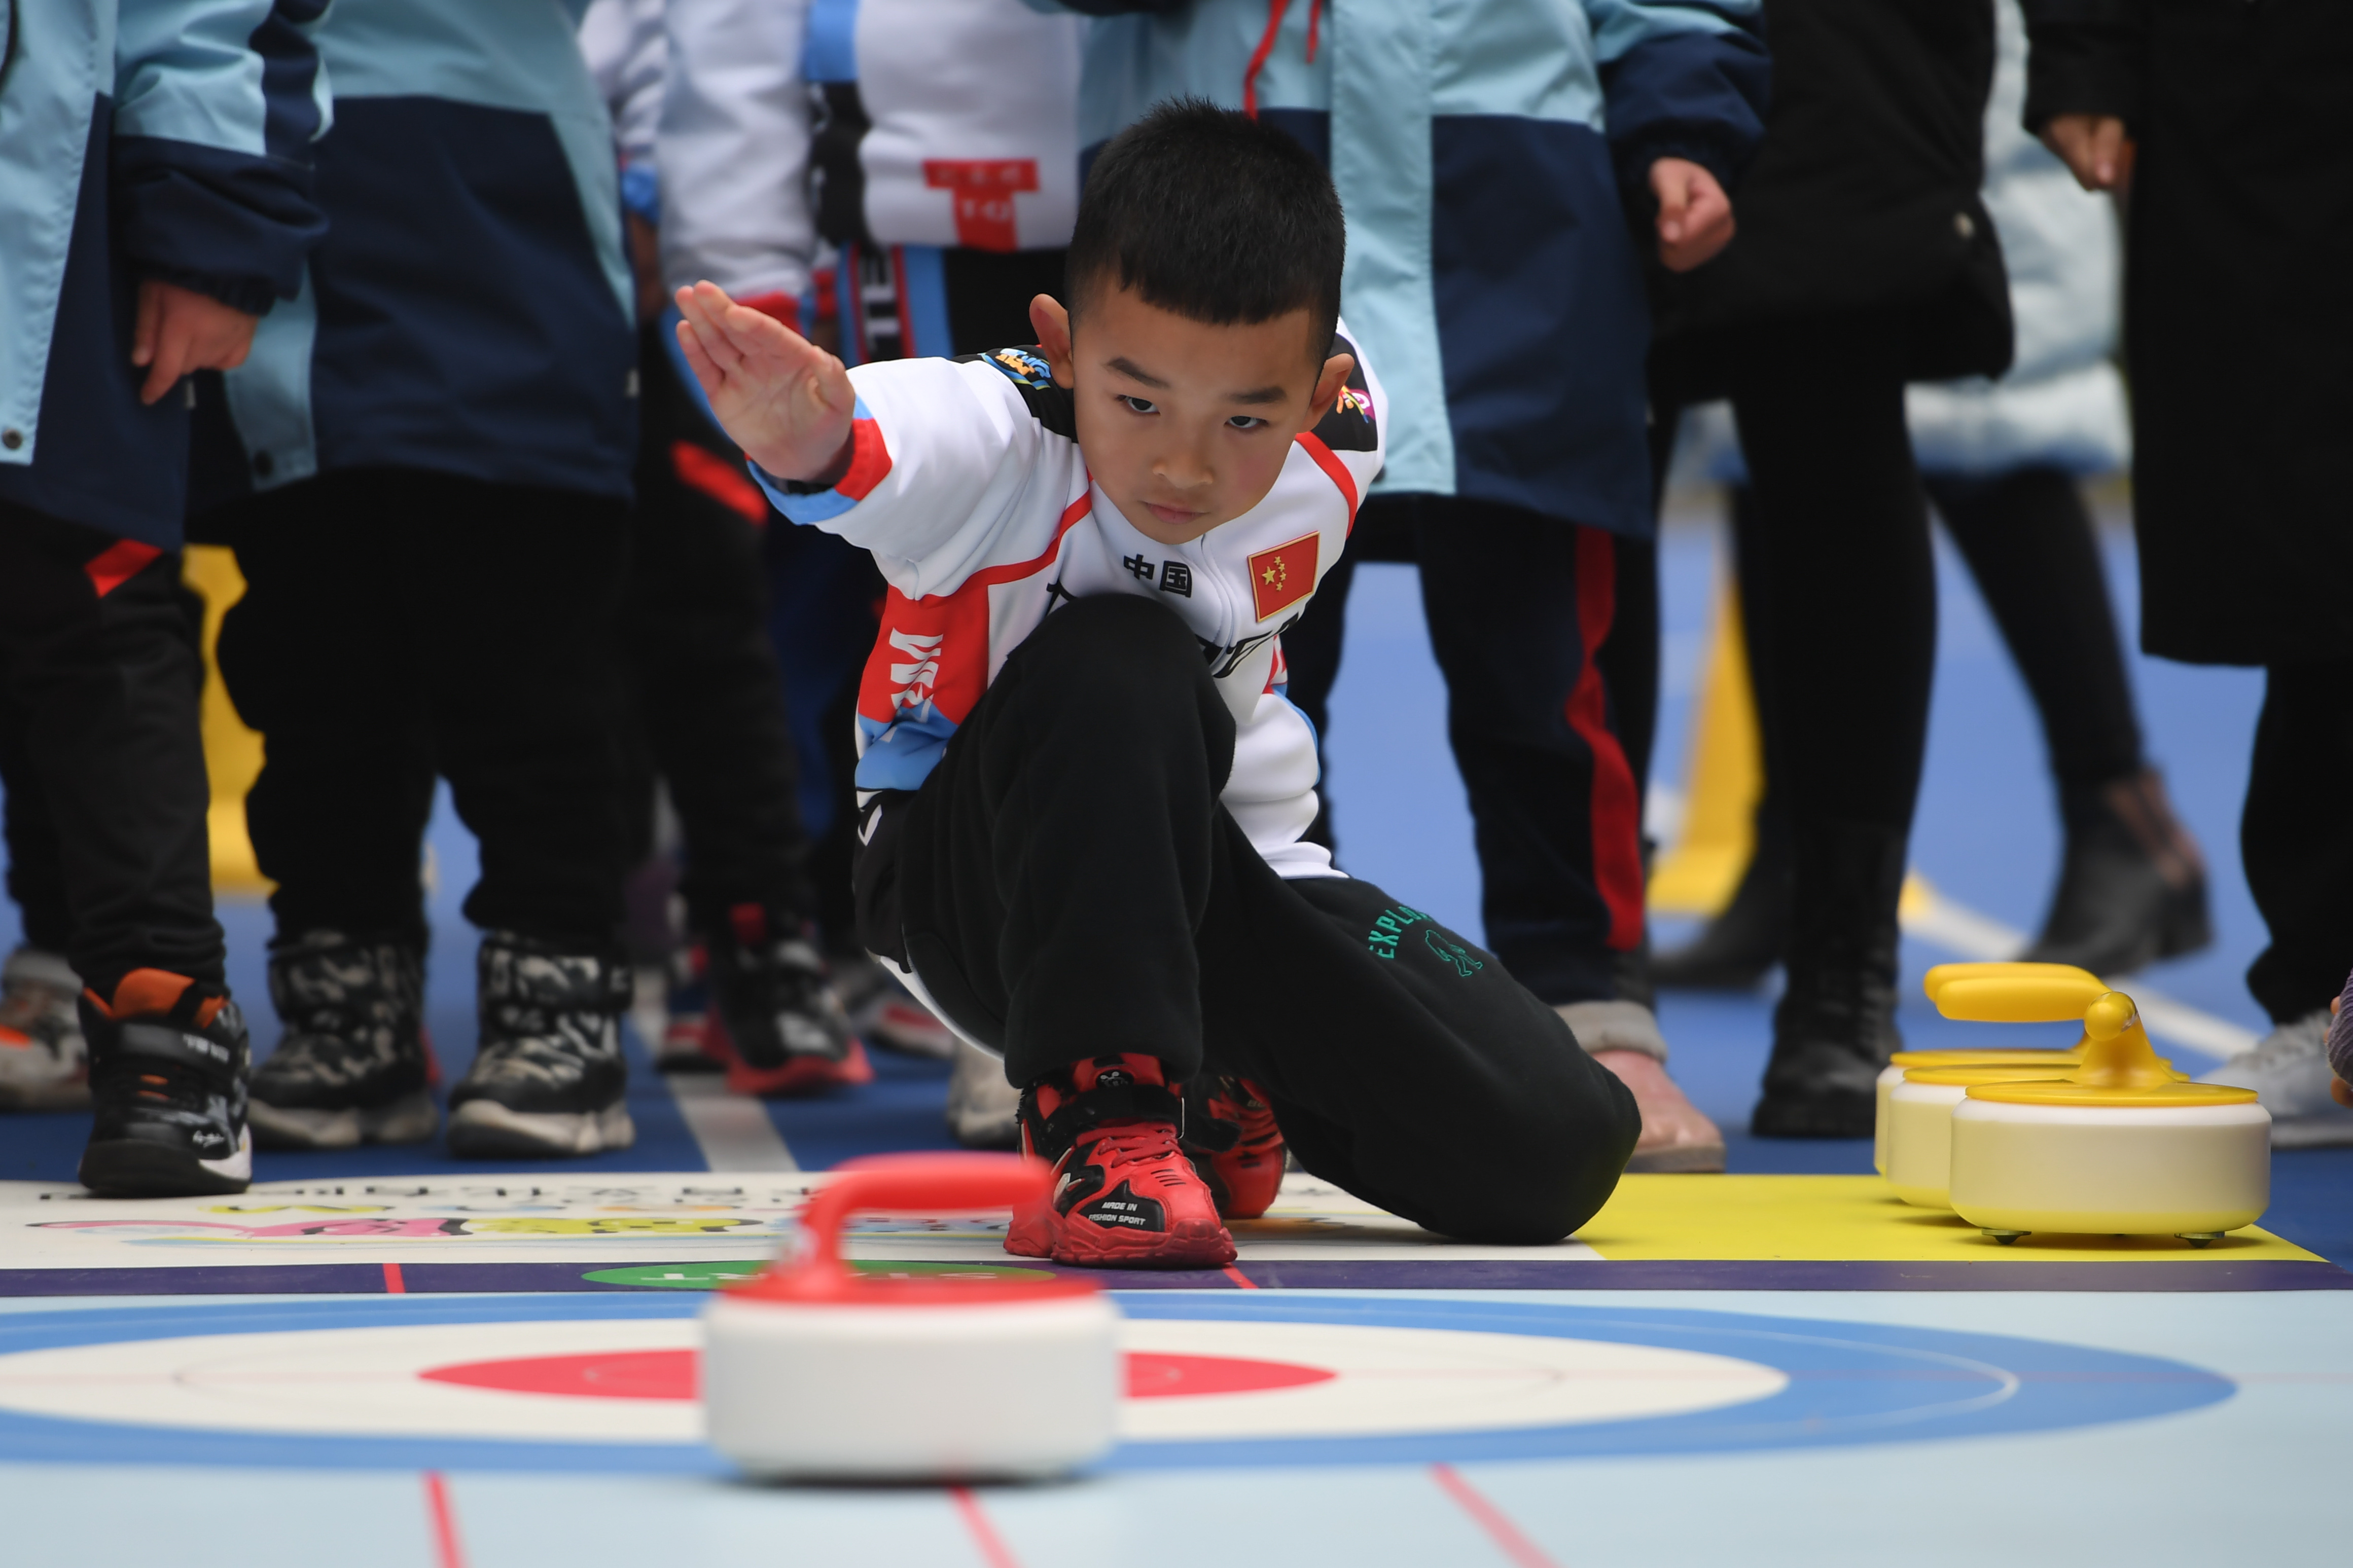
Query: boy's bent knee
<point x="1552" y="1161"/>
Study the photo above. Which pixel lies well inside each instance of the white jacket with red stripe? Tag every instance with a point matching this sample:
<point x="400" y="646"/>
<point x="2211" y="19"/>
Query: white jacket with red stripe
<point x="967" y="482"/>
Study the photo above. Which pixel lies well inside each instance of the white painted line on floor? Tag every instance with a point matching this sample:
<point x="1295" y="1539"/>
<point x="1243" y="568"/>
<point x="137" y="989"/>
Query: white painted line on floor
<point x="734" y="1130"/>
<point x="1934" y="918"/>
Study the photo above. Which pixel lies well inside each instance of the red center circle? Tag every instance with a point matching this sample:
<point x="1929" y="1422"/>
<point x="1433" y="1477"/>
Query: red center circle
<point x="673" y="1374"/>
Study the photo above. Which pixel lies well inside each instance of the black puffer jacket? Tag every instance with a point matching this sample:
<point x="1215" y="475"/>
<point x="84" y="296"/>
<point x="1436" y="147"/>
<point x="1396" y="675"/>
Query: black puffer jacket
<point x="1864" y="196"/>
<point x="2238" y="307"/>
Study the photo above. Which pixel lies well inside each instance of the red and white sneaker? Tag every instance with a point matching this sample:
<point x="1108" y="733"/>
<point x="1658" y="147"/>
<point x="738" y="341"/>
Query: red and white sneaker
<point x="1125" y="1194"/>
<point x="1232" y="1138"/>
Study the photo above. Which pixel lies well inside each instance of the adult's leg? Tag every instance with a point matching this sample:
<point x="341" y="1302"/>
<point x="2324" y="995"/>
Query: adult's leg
<point x="1849" y="597"/>
<point x="317" y="657"/>
<point x="1516" y="606"/>
<point x="2297" y="838"/>
<point x="2132" y="888"/>
<point x="102" y="670"/>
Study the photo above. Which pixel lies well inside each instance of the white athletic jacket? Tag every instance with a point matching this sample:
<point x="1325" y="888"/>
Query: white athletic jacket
<point x="963" y="117"/>
<point x="968" y="484"/>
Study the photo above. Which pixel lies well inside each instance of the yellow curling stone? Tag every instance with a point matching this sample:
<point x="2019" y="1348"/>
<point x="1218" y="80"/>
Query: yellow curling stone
<point x="2120" y="1147"/>
<point x="1938" y="978"/>
<point x="811" y="1371"/>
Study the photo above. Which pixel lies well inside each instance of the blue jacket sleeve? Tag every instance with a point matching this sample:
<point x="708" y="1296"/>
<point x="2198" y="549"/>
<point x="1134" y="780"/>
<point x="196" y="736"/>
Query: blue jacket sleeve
<point x="1681" y="78"/>
<point x="217" y="104"/>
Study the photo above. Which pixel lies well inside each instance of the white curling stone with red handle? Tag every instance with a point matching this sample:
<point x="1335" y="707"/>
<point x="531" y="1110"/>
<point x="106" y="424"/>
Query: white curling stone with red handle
<point x="812" y="1371"/>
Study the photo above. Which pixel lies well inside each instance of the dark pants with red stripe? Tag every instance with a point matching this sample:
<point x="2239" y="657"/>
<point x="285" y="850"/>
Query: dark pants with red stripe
<point x="1066" y="884"/>
<point x="1517" y="604"/>
<point x="100" y="752"/>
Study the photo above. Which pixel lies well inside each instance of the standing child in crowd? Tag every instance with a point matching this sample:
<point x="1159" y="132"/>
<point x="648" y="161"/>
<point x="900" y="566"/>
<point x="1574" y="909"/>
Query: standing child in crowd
<point x="154" y="201"/>
<point x="437" y="443"/>
<point x="1084" y="790"/>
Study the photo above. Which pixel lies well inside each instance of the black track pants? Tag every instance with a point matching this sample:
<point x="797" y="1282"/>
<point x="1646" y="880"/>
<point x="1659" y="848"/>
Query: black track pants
<point x="100" y="752"/>
<point x="700" y="673"/>
<point x="397" y="623"/>
<point x="1066" y="884"/>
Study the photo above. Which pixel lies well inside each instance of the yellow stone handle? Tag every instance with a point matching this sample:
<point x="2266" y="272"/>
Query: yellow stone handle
<point x="2118" y="1053"/>
<point x="2014" y="992"/>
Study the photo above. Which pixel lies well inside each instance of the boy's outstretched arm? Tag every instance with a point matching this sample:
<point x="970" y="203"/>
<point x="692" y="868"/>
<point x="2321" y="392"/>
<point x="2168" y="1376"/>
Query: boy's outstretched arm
<point x="788" y="403"/>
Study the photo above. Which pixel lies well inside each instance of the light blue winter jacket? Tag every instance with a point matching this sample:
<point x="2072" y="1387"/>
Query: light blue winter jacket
<point x="1484" y="151"/>
<point x="139" y="138"/>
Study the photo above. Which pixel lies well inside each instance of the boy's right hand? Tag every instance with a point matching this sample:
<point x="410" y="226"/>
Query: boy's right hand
<point x="2093" y="146"/>
<point x="788" y="403"/>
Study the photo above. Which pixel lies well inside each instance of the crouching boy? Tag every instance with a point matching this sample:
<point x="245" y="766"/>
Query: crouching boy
<point x="1082" y="788"/>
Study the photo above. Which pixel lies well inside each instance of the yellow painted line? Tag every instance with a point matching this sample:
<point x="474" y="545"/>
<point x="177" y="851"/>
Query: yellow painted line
<point x="1833" y="1218"/>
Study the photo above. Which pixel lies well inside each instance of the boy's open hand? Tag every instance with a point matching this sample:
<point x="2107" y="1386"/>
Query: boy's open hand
<point x="179" y="330"/>
<point x="1694" y="214"/>
<point x="787" y="402"/>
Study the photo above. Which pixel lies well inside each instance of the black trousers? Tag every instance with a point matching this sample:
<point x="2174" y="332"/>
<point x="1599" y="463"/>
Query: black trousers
<point x="1066" y="885"/>
<point x="2295" y="836"/>
<point x="701" y="672"/>
<point x="397" y="623"/>
<point x="100" y="752"/>
<point x="1842" y="591"/>
<point x="1518" y="607"/>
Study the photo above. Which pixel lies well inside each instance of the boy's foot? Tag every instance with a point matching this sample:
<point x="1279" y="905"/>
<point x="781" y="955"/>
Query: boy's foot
<point x="984" y="1110"/>
<point x="1233" y="1142"/>
<point x="1624" y="1037"/>
<point x="1125" y="1194"/>
<point x="549" y="1079"/>
<point x="883" y="1014"/>
<point x="351" y="1068"/>
<point x="686" y="1044"/>
<point x="784" y="1029"/>
<point x="168" y="1059"/>
<point x="43" y="1060"/>
<point x="2289" y="1069"/>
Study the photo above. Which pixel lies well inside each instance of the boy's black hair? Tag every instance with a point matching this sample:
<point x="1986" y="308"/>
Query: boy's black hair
<point x="1208" y="213"/>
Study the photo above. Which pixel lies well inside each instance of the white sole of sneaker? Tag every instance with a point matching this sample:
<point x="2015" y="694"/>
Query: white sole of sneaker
<point x="484" y="1128"/>
<point x="411" y="1119"/>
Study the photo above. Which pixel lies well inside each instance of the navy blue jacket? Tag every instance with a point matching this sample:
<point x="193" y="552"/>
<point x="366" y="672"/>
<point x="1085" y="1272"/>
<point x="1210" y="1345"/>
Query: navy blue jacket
<point x="165" y="138"/>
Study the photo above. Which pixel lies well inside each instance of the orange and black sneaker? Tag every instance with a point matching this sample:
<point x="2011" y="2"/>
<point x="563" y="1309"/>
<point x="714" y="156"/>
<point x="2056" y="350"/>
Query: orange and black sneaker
<point x="1232" y="1138"/>
<point x="775" y="1021"/>
<point x="1125" y="1194"/>
<point x="169" y="1063"/>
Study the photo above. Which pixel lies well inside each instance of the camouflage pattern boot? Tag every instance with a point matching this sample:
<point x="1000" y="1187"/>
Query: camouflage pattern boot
<point x="549" y="1079"/>
<point x="352" y="1066"/>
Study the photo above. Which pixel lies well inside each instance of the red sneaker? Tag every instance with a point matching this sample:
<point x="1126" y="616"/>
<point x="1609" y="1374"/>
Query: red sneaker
<point x="1125" y="1194"/>
<point x="1245" y="1174"/>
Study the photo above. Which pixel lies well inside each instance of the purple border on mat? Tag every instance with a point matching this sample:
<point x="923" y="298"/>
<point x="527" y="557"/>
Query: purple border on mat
<point x="1498" y="1274"/>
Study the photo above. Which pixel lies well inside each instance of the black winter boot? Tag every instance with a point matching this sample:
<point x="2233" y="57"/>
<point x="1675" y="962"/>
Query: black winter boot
<point x="1739" y="947"/>
<point x="1835" y="1025"/>
<point x="549" y="1079"/>
<point x="351" y="1068"/>
<point x="168" y="1064"/>
<point x="2132" y="889"/>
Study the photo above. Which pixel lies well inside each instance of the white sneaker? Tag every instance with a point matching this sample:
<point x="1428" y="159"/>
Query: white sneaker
<point x="2288" y="1071"/>
<point x="984" y="1110"/>
<point x="44" y="1061"/>
<point x="883" y="1012"/>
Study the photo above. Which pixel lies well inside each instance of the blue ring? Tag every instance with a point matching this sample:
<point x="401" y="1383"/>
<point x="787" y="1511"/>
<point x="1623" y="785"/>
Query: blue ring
<point x="1849" y="1384"/>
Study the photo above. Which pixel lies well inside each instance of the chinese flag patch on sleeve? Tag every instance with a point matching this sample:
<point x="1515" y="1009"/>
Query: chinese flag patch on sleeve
<point x="1283" y="575"/>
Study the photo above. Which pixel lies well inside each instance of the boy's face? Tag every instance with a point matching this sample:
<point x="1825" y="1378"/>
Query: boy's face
<point x="1183" y="424"/>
